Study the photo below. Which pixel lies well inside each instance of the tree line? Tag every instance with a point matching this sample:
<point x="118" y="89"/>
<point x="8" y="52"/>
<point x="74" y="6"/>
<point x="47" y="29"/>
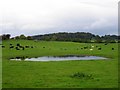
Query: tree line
<point x="83" y="37"/>
<point x="22" y="36"/>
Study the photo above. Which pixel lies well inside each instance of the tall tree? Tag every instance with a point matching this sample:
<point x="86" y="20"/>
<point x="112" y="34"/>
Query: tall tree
<point x="22" y="36"/>
<point x="6" y="36"/>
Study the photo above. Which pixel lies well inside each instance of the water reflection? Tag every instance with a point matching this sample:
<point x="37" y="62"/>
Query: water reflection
<point x="59" y="58"/>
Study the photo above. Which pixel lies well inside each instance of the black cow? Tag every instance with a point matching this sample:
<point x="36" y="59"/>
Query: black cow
<point x="112" y="48"/>
<point x="3" y="46"/>
<point x="85" y="47"/>
<point x="105" y="43"/>
<point x="26" y="46"/>
<point x="23" y="48"/>
<point x="17" y="48"/>
<point x="99" y="48"/>
<point x="17" y="57"/>
<point x="11" y="46"/>
<point x="18" y="44"/>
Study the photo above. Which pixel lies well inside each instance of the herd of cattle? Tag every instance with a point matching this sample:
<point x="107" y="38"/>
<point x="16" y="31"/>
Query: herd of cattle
<point x="20" y="47"/>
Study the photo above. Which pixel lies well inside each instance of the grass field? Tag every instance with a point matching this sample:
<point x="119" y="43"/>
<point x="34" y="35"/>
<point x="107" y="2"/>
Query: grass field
<point x="52" y="74"/>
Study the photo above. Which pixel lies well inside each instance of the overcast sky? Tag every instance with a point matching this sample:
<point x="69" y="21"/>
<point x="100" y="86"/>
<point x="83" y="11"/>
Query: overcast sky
<point x="32" y="17"/>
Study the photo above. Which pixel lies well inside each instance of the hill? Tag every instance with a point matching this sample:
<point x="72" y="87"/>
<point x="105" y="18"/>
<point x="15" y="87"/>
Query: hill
<point x="76" y="37"/>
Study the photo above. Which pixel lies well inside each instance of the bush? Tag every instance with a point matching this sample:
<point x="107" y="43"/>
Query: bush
<point x="82" y="75"/>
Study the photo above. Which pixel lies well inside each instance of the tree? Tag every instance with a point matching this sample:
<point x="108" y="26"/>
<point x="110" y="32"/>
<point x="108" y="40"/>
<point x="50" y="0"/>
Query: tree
<point x="98" y="39"/>
<point x="22" y="36"/>
<point x="17" y="37"/>
<point x="6" y="36"/>
<point x="0" y="37"/>
<point x="29" y="38"/>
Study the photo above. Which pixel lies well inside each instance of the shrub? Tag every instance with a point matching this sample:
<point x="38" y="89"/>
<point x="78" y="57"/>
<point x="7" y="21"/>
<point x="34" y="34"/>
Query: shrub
<point x="82" y="75"/>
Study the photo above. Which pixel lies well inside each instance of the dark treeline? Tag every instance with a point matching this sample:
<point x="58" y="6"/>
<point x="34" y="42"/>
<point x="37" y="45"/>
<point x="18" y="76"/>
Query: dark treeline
<point x="78" y="37"/>
<point x="82" y="37"/>
<point x="5" y="37"/>
<point x="22" y="36"/>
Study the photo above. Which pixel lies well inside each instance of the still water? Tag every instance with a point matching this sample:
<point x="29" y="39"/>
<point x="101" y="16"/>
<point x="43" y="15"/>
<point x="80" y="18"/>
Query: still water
<point x="60" y="58"/>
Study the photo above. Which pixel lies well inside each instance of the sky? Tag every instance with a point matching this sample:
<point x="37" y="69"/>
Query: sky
<point x="33" y="17"/>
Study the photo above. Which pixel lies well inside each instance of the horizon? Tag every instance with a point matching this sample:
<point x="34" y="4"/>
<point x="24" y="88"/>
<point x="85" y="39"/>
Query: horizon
<point x="40" y="17"/>
<point x="58" y="32"/>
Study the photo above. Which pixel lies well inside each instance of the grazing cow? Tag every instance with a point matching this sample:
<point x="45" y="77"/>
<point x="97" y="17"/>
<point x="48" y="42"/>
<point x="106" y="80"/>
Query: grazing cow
<point x="99" y="48"/>
<point x="112" y="48"/>
<point x="3" y="46"/>
<point x="17" y="57"/>
<point x="26" y="46"/>
<point x="85" y="47"/>
<point x="31" y="46"/>
<point x="17" y="48"/>
<point x="105" y="44"/>
<point x="23" y="48"/>
<point x="18" y="44"/>
<point x="11" y="46"/>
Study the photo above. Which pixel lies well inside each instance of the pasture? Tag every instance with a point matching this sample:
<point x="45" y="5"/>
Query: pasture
<point x="59" y="74"/>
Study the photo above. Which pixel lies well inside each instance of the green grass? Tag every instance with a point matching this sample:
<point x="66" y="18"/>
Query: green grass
<point x="52" y="74"/>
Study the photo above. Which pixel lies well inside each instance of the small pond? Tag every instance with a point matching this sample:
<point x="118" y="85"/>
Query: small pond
<point x="60" y="58"/>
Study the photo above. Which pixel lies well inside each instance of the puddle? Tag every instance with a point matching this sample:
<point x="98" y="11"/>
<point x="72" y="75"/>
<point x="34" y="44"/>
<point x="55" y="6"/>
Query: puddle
<point x="59" y="58"/>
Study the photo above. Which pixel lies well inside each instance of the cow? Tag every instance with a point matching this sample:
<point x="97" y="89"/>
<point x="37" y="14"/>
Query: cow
<point x="18" y="44"/>
<point x="17" y="48"/>
<point x="3" y="46"/>
<point x="112" y="48"/>
<point x="99" y="48"/>
<point x="85" y="47"/>
<point x="11" y="46"/>
<point x="26" y="46"/>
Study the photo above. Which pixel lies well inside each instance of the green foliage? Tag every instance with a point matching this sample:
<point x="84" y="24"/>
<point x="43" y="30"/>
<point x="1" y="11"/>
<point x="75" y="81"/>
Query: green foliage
<point x="82" y="75"/>
<point x="82" y="37"/>
<point x="29" y="38"/>
<point x="98" y="39"/>
<point x="22" y="36"/>
<point x="5" y="36"/>
<point x="17" y="37"/>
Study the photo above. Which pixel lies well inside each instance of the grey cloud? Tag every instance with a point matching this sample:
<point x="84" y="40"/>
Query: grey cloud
<point x="59" y="16"/>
